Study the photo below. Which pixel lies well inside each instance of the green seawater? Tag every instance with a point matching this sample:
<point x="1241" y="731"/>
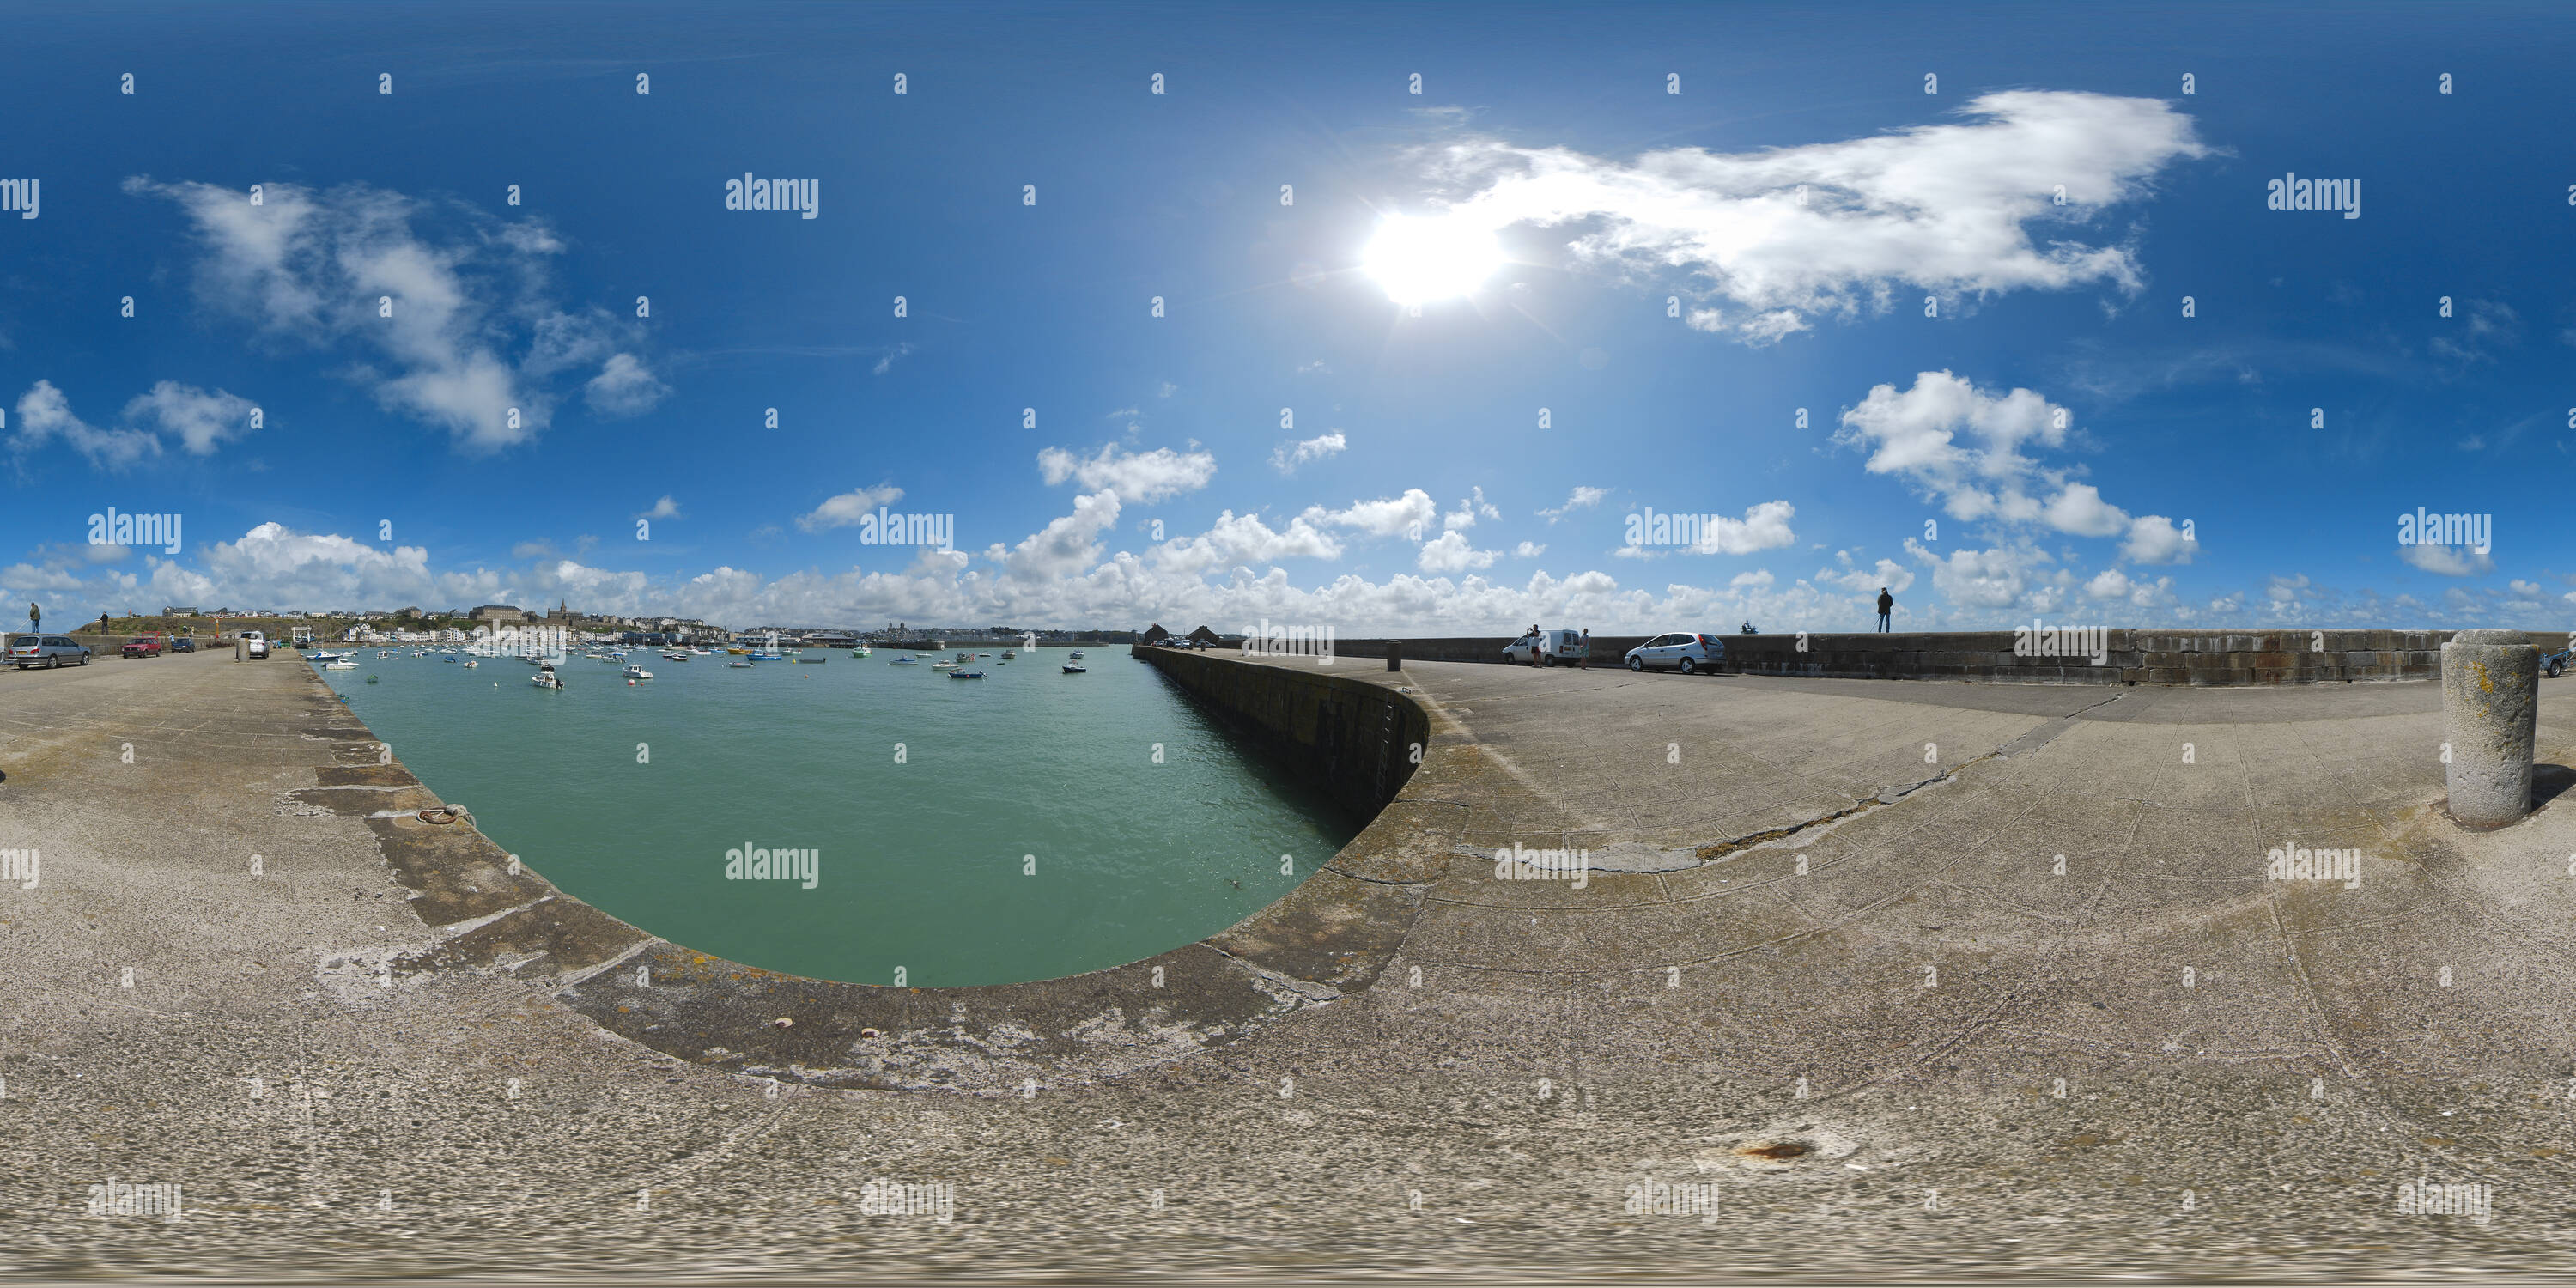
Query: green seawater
<point x="629" y="797"/>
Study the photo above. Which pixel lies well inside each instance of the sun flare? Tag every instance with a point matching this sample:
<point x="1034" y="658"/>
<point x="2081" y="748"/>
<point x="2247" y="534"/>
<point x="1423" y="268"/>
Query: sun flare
<point x="1419" y="260"/>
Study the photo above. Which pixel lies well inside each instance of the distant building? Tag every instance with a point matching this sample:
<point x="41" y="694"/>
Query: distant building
<point x="499" y="615"/>
<point x="1205" y="638"/>
<point x="179" y="612"/>
<point x="1156" y="634"/>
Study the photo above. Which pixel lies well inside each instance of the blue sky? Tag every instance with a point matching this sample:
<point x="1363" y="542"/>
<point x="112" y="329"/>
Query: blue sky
<point x="1662" y="289"/>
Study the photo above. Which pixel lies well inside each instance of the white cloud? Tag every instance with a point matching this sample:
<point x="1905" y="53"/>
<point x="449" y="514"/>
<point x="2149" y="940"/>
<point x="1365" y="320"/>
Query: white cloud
<point x="1141" y="477"/>
<point x="1817" y="229"/>
<point x="1528" y="550"/>
<point x="1888" y="573"/>
<point x="1407" y="515"/>
<point x="1291" y="455"/>
<point x="849" y="507"/>
<point x="624" y="387"/>
<point x="44" y="413"/>
<point x="2153" y="539"/>
<point x="310" y="267"/>
<point x="202" y="421"/>
<point x="1763" y="527"/>
<point x="2004" y="577"/>
<point x="1468" y="512"/>
<point x="1581" y="498"/>
<point x="2081" y="510"/>
<point x="2448" y="561"/>
<point x="1451" y="552"/>
<point x="1237" y="540"/>
<point x="885" y="361"/>
<point x="1914" y="433"/>
<point x="666" y="508"/>
<point x="1759" y="577"/>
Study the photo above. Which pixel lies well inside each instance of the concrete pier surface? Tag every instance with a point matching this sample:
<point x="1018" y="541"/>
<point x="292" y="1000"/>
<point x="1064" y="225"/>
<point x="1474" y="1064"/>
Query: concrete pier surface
<point x="1785" y="977"/>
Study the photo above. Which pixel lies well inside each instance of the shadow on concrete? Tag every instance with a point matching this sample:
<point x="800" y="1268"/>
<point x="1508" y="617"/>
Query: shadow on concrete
<point x="2548" y="782"/>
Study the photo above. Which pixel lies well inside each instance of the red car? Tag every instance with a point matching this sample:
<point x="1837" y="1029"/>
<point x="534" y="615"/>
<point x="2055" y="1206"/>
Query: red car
<point x="144" y="646"/>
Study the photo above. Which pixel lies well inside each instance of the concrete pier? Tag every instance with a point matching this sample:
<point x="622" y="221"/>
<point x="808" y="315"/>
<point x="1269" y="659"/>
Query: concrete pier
<point x="1973" y="978"/>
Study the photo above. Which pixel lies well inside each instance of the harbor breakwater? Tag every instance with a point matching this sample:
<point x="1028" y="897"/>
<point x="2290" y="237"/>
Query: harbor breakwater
<point x="2197" y="658"/>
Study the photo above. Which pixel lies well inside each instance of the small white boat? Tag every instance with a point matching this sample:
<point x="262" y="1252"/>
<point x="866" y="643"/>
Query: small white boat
<point x="903" y="661"/>
<point x="1072" y="668"/>
<point x="1077" y="655"/>
<point x="470" y="664"/>
<point x="341" y="664"/>
<point x="1008" y="654"/>
<point x="545" y="678"/>
<point x="739" y="664"/>
<point x="638" y="673"/>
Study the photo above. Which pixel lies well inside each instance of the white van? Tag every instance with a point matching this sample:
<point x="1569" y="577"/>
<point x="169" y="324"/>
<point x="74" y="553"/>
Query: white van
<point x="257" y="643"/>
<point x="1548" y="648"/>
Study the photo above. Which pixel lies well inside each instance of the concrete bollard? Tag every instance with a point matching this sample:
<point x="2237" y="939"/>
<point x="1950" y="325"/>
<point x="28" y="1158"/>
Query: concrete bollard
<point x="1395" y="655"/>
<point x="241" y="649"/>
<point x="2490" y="711"/>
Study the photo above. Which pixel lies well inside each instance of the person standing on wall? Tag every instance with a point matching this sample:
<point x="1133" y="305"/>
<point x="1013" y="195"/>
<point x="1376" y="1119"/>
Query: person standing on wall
<point x="1886" y="604"/>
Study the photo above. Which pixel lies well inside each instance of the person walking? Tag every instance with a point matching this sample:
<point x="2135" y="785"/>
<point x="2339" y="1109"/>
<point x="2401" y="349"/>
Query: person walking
<point x="1886" y="605"/>
<point x="1587" y="648"/>
<point x="35" y="617"/>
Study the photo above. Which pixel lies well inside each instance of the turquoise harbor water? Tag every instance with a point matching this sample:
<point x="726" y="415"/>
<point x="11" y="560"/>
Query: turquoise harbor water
<point x="922" y="865"/>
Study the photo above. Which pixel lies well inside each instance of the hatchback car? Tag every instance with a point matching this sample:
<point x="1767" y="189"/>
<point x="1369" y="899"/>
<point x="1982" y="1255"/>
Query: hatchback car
<point x="48" y="651"/>
<point x="1684" y="651"/>
<point x="183" y="644"/>
<point x="258" y="645"/>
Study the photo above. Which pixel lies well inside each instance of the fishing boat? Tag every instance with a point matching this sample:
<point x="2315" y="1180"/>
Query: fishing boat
<point x="449" y="660"/>
<point x="545" y="678"/>
<point x="341" y="664"/>
<point x="1076" y="668"/>
<point x="903" y="661"/>
<point x="318" y="657"/>
<point x="861" y="651"/>
<point x="1009" y="653"/>
<point x="965" y="675"/>
<point x="739" y="664"/>
<point x="1077" y="655"/>
<point x="638" y="673"/>
<point x="470" y="664"/>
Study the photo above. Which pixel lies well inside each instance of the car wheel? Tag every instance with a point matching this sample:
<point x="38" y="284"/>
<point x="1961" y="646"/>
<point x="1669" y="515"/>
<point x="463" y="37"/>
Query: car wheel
<point x="84" y="659"/>
<point x="1636" y="664"/>
<point x="1547" y="659"/>
<point x="2556" y="669"/>
<point x="1689" y="667"/>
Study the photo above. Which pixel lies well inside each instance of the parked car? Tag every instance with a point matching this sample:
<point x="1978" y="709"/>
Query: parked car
<point x="2555" y="664"/>
<point x="48" y="651"/>
<point x="258" y="644"/>
<point x="144" y="646"/>
<point x="184" y="644"/>
<point x="1684" y="651"/>
<point x="1547" y="648"/>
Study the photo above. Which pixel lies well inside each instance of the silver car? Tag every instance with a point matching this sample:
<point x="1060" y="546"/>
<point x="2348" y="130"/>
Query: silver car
<point x="48" y="651"/>
<point x="1688" y="652"/>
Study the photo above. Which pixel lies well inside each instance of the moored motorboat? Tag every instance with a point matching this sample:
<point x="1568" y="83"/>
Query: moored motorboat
<point x="903" y="661"/>
<point x="739" y="664"/>
<point x="965" y="675"/>
<point x="638" y="673"/>
<point x="545" y="678"/>
<point x="1076" y="668"/>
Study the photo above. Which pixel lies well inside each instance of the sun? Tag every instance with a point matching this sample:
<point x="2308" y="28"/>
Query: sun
<point x="1419" y="260"/>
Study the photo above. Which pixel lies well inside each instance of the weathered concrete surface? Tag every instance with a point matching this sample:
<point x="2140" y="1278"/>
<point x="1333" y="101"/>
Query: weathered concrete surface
<point x="1559" y="1046"/>
<point x="2490" y="709"/>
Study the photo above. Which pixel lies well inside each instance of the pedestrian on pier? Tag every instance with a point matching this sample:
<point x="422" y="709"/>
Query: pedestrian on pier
<point x="1886" y="604"/>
